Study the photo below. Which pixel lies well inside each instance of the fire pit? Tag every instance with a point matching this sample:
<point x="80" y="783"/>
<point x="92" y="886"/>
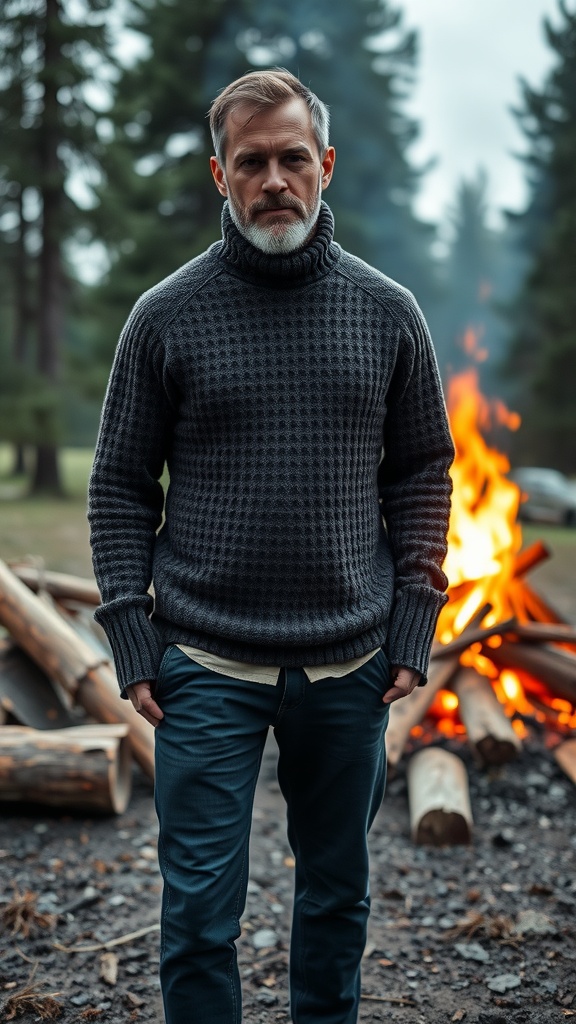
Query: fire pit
<point x="503" y="658"/>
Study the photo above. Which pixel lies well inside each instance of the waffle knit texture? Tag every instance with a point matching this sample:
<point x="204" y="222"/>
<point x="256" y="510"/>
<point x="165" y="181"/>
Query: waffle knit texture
<point x="270" y="386"/>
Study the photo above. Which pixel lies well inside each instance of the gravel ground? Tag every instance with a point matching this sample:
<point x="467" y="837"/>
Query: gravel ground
<point x="484" y="933"/>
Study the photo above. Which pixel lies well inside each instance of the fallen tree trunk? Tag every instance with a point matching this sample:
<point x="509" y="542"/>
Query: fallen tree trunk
<point x="85" y="767"/>
<point x="88" y="677"/>
<point x="440" y="812"/>
<point x="488" y="730"/>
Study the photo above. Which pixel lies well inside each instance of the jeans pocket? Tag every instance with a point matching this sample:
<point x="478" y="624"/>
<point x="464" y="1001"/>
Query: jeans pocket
<point x="162" y="668"/>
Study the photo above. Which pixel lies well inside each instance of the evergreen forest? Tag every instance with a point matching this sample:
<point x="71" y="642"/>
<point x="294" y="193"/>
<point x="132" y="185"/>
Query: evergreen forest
<point x="105" y="189"/>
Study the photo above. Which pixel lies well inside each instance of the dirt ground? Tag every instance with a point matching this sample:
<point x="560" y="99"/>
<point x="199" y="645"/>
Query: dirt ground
<point x="483" y="933"/>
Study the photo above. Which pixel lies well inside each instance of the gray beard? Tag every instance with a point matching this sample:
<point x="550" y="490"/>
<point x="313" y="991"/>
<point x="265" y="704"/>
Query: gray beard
<point x="293" y="236"/>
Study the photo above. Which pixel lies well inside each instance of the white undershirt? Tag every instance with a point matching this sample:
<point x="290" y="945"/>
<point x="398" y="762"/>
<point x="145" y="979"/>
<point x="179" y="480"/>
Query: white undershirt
<point x="269" y="673"/>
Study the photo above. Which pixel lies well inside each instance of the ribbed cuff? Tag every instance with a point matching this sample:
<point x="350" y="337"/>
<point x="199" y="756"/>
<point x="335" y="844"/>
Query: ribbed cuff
<point x="135" y="644"/>
<point x="412" y="627"/>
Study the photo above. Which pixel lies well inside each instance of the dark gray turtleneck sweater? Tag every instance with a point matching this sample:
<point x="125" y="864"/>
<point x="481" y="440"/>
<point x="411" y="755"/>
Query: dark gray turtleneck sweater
<point x="270" y="385"/>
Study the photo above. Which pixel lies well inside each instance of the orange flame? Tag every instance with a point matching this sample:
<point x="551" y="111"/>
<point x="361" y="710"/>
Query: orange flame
<point x="484" y="536"/>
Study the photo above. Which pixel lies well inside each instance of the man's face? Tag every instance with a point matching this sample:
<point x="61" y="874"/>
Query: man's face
<point x="273" y="175"/>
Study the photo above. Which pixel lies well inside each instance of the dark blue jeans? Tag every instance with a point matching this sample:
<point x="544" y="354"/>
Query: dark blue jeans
<point x="331" y="770"/>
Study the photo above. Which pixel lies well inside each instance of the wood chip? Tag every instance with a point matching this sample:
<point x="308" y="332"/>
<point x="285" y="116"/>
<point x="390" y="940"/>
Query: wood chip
<point x="109" y="968"/>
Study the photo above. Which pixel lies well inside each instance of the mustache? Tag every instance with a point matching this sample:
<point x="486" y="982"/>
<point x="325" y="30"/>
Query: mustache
<point x="279" y="202"/>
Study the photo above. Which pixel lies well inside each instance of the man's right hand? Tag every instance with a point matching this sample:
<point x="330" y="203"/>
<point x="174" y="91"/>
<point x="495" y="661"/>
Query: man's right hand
<point x="142" y="700"/>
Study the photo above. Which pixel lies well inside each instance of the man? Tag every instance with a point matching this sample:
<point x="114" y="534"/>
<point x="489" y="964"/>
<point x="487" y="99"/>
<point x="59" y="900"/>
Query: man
<point x="293" y="393"/>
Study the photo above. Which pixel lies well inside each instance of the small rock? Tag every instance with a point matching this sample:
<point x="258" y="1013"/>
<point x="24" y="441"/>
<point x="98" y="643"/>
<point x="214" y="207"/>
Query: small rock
<point x="266" y="997"/>
<point x="503" y="838"/>
<point x="534" y="922"/>
<point x="117" y="901"/>
<point x="445" y="923"/>
<point x="81" y="999"/>
<point x="472" y="951"/>
<point x="503" y="982"/>
<point x="263" y="938"/>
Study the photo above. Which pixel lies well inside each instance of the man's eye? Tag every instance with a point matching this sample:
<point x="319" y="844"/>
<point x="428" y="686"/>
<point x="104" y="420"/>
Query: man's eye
<point x="250" y="161"/>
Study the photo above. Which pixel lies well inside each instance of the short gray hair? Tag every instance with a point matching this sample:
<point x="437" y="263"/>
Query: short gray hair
<point x="268" y="88"/>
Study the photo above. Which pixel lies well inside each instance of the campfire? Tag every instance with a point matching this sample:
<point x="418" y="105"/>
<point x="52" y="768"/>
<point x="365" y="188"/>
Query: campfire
<point x="503" y="662"/>
<point x="503" y="659"/>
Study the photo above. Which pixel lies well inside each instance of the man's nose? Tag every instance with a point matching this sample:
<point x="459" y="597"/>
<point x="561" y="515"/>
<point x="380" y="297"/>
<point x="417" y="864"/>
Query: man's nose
<point x="274" y="180"/>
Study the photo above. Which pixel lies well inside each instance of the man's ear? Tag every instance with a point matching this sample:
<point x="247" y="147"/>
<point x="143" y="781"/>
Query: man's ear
<point x="328" y="166"/>
<point x="219" y="176"/>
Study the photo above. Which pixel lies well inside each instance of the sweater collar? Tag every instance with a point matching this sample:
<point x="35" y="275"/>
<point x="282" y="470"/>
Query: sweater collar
<point x="301" y="267"/>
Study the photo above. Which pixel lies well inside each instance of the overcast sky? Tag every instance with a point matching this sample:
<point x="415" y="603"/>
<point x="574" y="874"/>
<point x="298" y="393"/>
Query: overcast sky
<point x="472" y="53"/>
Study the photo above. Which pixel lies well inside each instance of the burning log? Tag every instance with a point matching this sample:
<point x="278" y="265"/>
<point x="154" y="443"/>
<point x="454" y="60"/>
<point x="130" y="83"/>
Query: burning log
<point x="409" y="711"/>
<point x="440" y="811"/>
<point x="565" y="755"/>
<point x="488" y="730"/>
<point x="530" y="557"/>
<point x="553" y="667"/>
<point x="86" y="675"/>
<point x="471" y="636"/>
<point x="86" y="767"/>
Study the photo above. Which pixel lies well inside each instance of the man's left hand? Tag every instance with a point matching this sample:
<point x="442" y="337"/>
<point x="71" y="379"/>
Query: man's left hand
<point x="404" y="681"/>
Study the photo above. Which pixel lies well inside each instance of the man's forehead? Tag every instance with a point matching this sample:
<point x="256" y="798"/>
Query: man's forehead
<point x="249" y="118"/>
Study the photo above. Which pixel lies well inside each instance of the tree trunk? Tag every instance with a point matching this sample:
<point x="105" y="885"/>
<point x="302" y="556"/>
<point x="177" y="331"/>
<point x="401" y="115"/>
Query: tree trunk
<point x="440" y="812"/>
<point x="23" y="317"/>
<point x="50" y="307"/>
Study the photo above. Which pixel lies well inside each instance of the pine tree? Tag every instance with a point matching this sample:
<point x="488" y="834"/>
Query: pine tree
<point x="543" y="354"/>
<point x="50" y="50"/>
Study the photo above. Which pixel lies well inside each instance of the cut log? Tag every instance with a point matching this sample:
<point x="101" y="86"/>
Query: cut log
<point x="86" y="767"/>
<point x="54" y="646"/>
<point x="27" y="693"/>
<point x="554" y="667"/>
<point x="565" y="755"/>
<point x="489" y="731"/>
<point x="58" y="584"/>
<point x="409" y="711"/>
<point x="440" y="812"/>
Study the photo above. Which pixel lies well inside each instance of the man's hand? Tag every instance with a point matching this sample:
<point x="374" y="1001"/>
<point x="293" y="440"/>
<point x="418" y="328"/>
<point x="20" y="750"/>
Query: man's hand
<point x="142" y="700"/>
<point x="405" y="680"/>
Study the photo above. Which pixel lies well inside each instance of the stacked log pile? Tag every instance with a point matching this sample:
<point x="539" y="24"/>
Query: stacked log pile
<point x="51" y="666"/>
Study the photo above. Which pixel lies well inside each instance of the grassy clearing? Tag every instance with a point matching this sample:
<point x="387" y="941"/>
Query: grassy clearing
<point x="54" y="530"/>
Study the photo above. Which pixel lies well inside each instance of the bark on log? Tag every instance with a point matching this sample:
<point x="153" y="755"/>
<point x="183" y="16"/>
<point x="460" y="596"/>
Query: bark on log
<point x="553" y="667"/>
<point x="440" y="812"/>
<point x="54" y="646"/>
<point x="489" y="731"/>
<point x="565" y="755"/>
<point x="409" y="711"/>
<point x="58" y="584"/>
<point x="86" y="767"/>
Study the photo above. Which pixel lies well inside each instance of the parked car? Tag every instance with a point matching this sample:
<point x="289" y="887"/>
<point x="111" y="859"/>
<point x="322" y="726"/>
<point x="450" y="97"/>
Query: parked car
<point x="549" y="496"/>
